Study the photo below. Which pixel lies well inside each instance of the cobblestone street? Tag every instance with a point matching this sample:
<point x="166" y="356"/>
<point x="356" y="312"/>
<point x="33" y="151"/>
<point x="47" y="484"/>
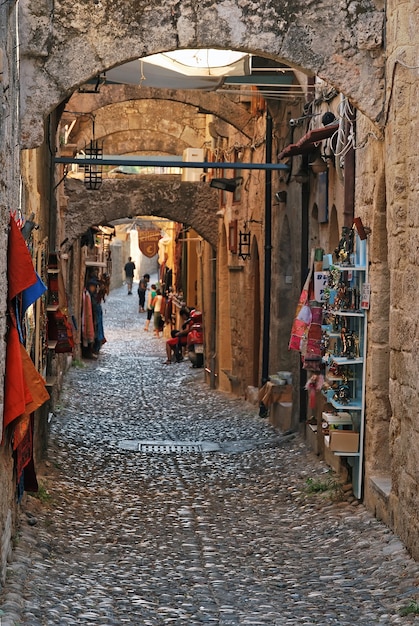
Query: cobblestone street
<point x="228" y="534"/>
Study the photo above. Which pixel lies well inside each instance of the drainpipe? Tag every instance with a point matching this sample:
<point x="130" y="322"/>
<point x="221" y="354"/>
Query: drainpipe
<point x="213" y="317"/>
<point x="268" y="261"/>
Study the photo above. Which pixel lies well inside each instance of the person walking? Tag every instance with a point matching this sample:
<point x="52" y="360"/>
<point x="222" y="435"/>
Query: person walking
<point x="158" y="308"/>
<point x="129" y="274"/>
<point x="142" y="290"/>
<point x="151" y="296"/>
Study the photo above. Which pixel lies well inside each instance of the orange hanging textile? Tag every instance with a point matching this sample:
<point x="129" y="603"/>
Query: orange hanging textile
<point x="16" y="393"/>
<point x="34" y="381"/>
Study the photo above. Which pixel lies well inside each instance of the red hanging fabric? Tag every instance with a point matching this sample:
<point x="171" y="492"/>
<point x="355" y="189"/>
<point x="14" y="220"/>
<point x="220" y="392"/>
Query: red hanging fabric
<point x="20" y="271"/>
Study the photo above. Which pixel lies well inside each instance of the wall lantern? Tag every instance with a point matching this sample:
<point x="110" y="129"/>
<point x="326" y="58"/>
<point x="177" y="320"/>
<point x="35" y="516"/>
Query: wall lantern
<point x="226" y="184"/>
<point x="244" y="245"/>
<point x="93" y="173"/>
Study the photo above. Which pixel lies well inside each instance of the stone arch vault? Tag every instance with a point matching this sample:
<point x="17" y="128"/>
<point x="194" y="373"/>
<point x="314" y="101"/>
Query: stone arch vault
<point x="206" y="102"/>
<point x="193" y="204"/>
<point x="62" y="46"/>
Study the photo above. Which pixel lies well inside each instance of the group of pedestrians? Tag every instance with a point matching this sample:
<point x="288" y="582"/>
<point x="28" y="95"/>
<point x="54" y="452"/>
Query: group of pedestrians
<point x="150" y="300"/>
<point x="158" y="307"/>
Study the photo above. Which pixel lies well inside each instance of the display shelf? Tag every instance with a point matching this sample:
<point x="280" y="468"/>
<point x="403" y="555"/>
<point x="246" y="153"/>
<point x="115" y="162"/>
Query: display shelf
<point x="337" y="453"/>
<point x="343" y="360"/>
<point x="350" y="268"/>
<point x="347" y="337"/>
<point x="347" y="312"/>
<point x="351" y="406"/>
<point x="342" y="418"/>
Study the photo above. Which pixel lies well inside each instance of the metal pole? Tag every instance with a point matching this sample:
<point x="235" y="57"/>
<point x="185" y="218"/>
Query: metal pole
<point x="144" y="162"/>
<point x="268" y="262"/>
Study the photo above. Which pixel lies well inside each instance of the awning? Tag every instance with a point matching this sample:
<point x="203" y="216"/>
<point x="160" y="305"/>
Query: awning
<point x="308" y="142"/>
<point x="172" y="71"/>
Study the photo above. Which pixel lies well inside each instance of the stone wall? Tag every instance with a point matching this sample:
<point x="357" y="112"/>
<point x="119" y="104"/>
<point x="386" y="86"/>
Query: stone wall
<point x="402" y="192"/>
<point x="341" y="43"/>
<point x="9" y="194"/>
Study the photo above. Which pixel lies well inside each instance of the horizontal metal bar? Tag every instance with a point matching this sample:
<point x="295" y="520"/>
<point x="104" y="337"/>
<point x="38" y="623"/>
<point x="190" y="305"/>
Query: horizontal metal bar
<point x="222" y="165"/>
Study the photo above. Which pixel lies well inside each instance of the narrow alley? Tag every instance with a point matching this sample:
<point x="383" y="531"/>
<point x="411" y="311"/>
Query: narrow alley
<point x="225" y="530"/>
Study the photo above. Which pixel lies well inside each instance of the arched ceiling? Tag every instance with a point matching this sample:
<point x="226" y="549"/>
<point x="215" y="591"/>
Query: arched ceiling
<point x="167" y="127"/>
<point x="63" y="47"/>
<point x="202" y="102"/>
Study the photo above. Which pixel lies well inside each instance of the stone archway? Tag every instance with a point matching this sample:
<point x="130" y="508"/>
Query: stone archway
<point x="193" y="204"/>
<point x="133" y="127"/>
<point x="213" y="103"/>
<point x="63" y="48"/>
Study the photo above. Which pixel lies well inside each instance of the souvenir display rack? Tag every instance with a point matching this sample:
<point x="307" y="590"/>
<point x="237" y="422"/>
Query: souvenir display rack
<point x="51" y="307"/>
<point x="345" y="340"/>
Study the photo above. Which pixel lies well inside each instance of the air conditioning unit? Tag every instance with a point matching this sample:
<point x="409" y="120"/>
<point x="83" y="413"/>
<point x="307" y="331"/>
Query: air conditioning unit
<point x="192" y="174"/>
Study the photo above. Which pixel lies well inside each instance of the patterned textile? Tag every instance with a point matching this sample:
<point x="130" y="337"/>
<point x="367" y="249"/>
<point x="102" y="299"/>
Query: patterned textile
<point x="87" y="325"/>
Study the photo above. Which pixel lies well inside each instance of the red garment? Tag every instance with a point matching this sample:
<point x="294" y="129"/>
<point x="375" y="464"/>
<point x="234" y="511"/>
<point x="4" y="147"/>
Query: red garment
<point x="20" y="270"/>
<point x="174" y="341"/>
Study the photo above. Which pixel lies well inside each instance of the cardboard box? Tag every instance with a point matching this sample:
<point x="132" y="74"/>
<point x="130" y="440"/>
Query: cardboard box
<point x="344" y="441"/>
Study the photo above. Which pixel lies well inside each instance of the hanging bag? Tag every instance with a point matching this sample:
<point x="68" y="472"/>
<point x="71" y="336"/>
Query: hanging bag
<point x="302" y="319"/>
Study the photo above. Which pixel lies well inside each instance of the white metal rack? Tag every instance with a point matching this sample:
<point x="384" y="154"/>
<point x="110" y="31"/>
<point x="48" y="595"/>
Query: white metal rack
<point x="355" y="275"/>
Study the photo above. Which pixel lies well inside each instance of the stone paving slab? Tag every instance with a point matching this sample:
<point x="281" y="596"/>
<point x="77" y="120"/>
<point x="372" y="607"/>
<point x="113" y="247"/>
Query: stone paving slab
<point x="229" y="537"/>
